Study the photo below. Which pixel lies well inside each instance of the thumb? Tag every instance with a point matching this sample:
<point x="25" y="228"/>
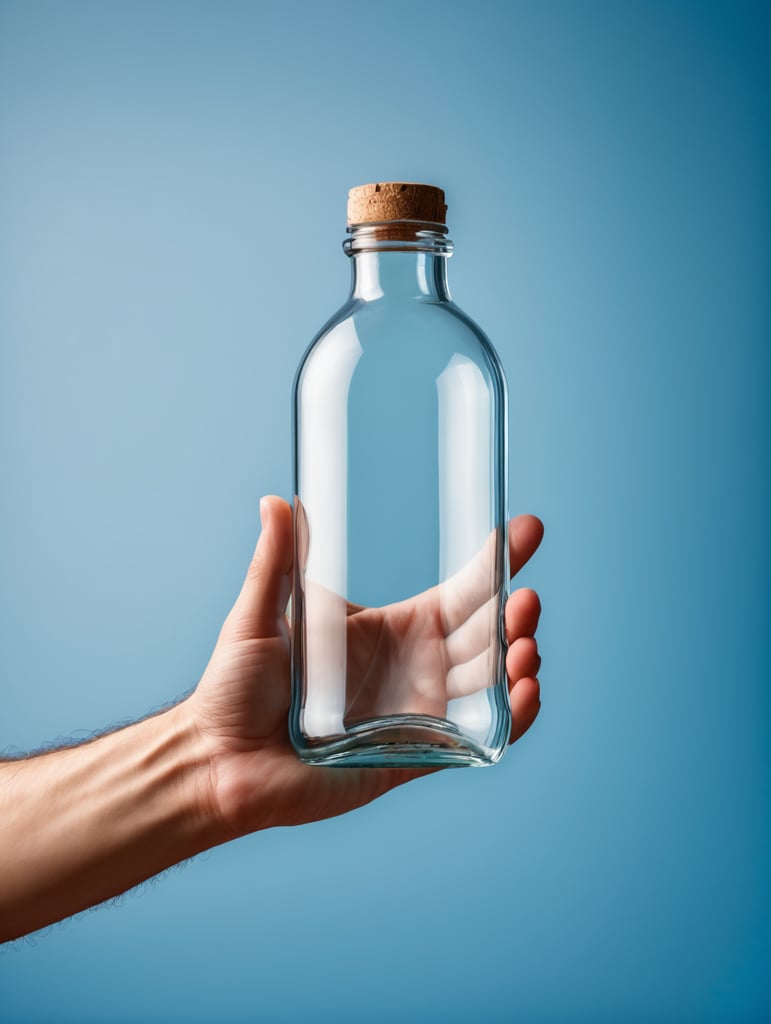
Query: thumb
<point x="260" y="607"/>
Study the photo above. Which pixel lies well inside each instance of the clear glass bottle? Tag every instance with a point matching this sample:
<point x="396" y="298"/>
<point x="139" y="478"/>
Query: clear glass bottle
<point x="400" y="579"/>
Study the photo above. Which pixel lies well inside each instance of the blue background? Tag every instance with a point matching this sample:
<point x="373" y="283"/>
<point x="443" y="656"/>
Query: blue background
<point x="172" y="200"/>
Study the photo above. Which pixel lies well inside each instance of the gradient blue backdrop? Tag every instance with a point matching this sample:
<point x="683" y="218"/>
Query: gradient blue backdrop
<point x="172" y="189"/>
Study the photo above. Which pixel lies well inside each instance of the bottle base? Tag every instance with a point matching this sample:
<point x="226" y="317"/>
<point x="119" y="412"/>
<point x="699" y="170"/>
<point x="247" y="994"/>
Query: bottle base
<point x="400" y="741"/>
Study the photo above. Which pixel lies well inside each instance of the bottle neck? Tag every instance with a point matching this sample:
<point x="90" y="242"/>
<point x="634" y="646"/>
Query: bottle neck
<point x="398" y="259"/>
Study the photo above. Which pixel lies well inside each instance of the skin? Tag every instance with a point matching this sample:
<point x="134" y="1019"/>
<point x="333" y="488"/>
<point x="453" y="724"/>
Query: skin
<point x="81" y="825"/>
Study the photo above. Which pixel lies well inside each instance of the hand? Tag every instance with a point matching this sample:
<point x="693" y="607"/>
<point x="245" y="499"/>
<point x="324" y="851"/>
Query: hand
<point x="85" y="823"/>
<point x="240" y="708"/>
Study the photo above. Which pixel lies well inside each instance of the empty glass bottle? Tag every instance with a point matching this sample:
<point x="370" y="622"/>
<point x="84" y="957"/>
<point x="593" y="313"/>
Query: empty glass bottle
<point x="400" y="572"/>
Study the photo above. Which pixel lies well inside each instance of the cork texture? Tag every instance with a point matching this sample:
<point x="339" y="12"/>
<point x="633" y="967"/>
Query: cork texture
<point x="396" y="200"/>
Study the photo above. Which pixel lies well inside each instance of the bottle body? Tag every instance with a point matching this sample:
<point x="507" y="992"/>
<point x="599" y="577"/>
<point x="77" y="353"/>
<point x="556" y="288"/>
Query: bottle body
<point x="400" y="575"/>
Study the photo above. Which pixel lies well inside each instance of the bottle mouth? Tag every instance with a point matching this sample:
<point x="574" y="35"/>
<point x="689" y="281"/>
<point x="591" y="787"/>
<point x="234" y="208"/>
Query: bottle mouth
<point x="397" y="236"/>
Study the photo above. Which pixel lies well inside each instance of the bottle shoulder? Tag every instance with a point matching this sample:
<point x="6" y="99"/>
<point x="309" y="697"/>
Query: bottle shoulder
<point x="406" y="369"/>
<point x="381" y="330"/>
<point x="329" y="334"/>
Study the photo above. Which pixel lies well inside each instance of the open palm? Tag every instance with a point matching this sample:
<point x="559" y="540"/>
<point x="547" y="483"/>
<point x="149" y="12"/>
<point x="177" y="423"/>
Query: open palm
<point x="414" y="656"/>
<point x="241" y="705"/>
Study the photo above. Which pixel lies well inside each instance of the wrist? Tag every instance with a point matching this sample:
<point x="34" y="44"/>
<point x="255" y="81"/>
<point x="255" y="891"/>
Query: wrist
<point x="191" y="776"/>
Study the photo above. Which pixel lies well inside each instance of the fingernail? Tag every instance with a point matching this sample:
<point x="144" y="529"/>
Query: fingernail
<point x="263" y="511"/>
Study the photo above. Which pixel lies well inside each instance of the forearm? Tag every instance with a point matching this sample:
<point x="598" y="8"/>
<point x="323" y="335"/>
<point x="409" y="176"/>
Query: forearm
<point x="80" y="825"/>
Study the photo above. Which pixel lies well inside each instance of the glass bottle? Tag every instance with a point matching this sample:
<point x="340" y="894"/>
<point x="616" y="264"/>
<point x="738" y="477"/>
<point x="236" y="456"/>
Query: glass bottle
<point x="400" y="581"/>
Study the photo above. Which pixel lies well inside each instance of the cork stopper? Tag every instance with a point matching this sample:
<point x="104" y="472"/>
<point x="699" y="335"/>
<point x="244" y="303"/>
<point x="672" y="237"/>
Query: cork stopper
<point x="396" y="200"/>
